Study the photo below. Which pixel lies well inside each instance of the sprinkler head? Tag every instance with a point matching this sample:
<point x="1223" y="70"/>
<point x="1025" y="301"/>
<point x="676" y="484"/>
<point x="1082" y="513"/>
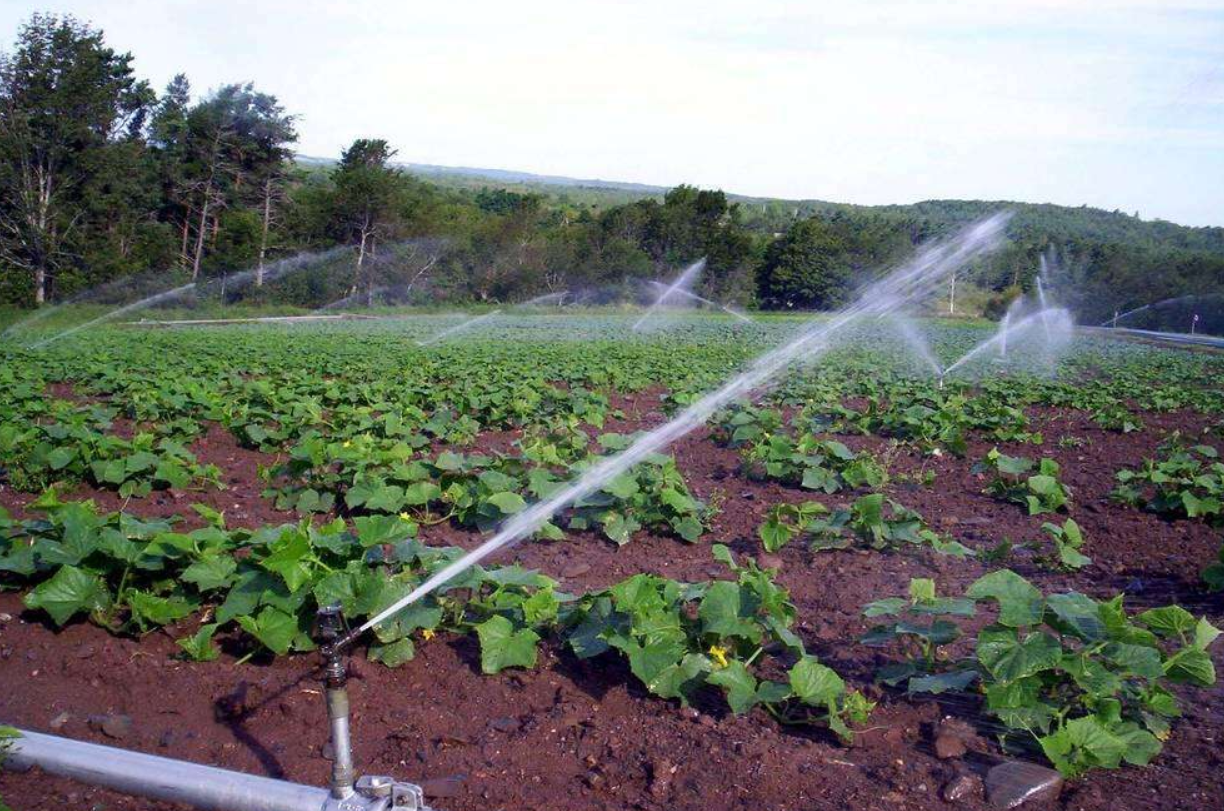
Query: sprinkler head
<point x="330" y="633"/>
<point x="329" y="623"/>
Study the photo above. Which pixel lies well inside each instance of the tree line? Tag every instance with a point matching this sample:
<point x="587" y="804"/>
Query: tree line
<point x="102" y="178"/>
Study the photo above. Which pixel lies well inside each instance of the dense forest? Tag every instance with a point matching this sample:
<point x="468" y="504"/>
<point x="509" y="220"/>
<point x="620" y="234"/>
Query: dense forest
<point x="102" y="178"/>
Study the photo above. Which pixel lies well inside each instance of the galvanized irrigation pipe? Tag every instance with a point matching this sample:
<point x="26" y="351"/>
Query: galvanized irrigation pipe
<point x="205" y="787"/>
<point x="160" y="778"/>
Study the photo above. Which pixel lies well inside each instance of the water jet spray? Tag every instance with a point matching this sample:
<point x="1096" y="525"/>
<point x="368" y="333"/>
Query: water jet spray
<point x="682" y="282"/>
<point x="703" y="300"/>
<point x="460" y="327"/>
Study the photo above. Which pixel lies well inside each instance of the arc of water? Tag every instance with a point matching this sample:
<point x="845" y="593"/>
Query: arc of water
<point x="681" y="283"/>
<point x="449" y="331"/>
<point x="85" y="296"/>
<point x="547" y="297"/>
<point x="270" y="273"/>
<point x="907" y="283"/>
<point x="347" y="300"/>
<point x="1041" y="301"/>
<point x="704" y="300"/>
<point x="917" y="342"/>
<point x="1013" y="311"/>
<point x="1161" y="303"/>
<point x="1000" y="337"/>
<point x="135" y="305"/>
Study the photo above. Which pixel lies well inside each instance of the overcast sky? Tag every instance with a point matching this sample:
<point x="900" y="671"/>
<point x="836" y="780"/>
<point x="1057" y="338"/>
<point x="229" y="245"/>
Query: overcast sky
<point x="1113" y="103"/>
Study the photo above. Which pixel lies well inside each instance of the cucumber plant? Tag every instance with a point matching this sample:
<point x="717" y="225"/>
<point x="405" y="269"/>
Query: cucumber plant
<point x="1040" y="493"/>
<point x="1182" y="482"/>
<point x="1083" y="680"/>
<point x="872" y="521"/>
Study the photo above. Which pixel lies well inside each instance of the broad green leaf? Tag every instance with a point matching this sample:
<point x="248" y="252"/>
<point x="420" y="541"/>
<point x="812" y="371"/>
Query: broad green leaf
<point x="507" y="502"/>
<point x="620" y="527"/>
<point x="373" y="530"/>
<point x="1171" y="620"/>
<point x="689" y="529"/>
<point x="541" y="607"/>
<point x="676" y="500"/>
<point x="1020" y="602"/>
<point x="956" y="680"/>
<point x="1140" y="745"/>
<point x="210" y="572"/>
<point x="921" y="589"/>
<point x="1007" y="658"/>
<point x="1191" y="665"/>
<point x="199" y="646"/>
<point x="69" y="592"/>
<point x="387" y="498"/>
<point x="274" y="629"/>
<point x="1082" y="744"/>
<point x="418" y="494"/>
<point x="680" y="680"/>
<point x="814" y="683"/>
<point x="741" y="686"/>
<point x="1134" y="660"/>
<point x="61" y="457"/>
<point x="1091" y="674"/>
<point x="502" y="646"/>
<point x="1019" y="705"/>
<point x="19" y="560"/>
<point x="870" y="509"/>
<point x="775" y="534"/>
<point x="1013" y="465"/>
<point x="1078" y="615"/>
<point x="649" y="662"/>
<point x="1204" y="634"/>
<point x="889" y="606"/>
<point x="725" y="612"/>
<point x="393" y="654"/>
<point x="288" y="558"/>
<point x="152" y="609"/>
<point x="515" y="575"/>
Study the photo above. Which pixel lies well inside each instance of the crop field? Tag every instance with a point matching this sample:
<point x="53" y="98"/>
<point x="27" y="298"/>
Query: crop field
<point x="866" y="586"/>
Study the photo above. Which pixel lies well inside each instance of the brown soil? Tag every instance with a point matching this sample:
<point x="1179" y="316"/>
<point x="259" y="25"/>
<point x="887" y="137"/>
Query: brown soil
<point x="575" y="735"/>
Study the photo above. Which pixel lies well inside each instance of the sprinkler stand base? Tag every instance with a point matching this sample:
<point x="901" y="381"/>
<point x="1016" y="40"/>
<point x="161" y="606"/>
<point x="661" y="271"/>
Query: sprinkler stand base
<point x="379" y="793"/>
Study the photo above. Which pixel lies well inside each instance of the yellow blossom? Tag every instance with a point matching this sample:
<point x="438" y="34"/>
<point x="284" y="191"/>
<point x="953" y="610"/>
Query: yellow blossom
<point x="428" y="634"/>
<point x="719" y="655"/>
<point x="405" y="516"/>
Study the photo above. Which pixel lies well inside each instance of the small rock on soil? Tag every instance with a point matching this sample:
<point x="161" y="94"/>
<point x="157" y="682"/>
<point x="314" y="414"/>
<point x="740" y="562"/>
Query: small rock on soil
<point x="964" y="787"/>
<point x="113" y="725"/>
<point x="1011" y="784"/>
